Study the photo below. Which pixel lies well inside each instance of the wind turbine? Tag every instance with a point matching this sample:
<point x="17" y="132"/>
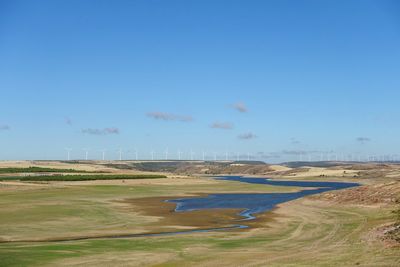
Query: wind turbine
<point x="68" y="152"/>
<point x="215" y="156"/>
<point x="179" y="154"/>
<point x="226" y="156"/>
<point x="152" y="154"/>
<point x="86" y="153"/>
<point x="248" y="156"/>
<point x="237" y="156"/>
<point x="166" y="154"/>
<point x="191" y="154"/>
<point x="103" y="152"/>
<point x="120" y="153"/>
<point x="204" y="155"/>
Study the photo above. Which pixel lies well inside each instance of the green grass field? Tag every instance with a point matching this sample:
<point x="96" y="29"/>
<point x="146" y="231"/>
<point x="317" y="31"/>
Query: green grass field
<point x="301" y="233"/>
<point x="41" y="170"/>
<point x="80" y="177"/>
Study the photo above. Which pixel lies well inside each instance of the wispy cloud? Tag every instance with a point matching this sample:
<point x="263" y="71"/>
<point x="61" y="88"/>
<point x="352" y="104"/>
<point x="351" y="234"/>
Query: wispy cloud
<point x="4" y="127"/>
<point x="68" y="120"/>
<point x="222" y="125"/>
<point x="169" y="117"/>
<point x="247" y="136"/>
<point x="363" y="140"/>
<point x="105" y="131"/>
<point x="241" y="107"/>
<point x="294" y="141"/>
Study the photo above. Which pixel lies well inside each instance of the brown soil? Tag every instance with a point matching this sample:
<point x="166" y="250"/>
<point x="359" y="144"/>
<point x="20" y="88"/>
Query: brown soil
<point x="200" y="219"/>
<point x="377" y="194"/>
<point x="388" y="234"/>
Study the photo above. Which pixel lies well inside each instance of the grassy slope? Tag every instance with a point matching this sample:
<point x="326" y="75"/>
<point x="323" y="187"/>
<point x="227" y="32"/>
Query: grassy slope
<point x="88" y="209"/>
<point x="333" y="239"/>
<point x="313" y="234"/>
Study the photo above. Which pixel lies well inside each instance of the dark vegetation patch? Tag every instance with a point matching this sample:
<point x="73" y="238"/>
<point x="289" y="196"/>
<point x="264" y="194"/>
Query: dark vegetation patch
<point x="83" y="177"/>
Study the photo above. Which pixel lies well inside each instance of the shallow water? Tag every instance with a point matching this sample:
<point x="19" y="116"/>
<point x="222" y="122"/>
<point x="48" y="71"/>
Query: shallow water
<point x="254" y="203"/>
<point x="250" y="204"/>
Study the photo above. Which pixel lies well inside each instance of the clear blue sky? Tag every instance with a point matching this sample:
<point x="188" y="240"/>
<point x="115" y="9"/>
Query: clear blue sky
<point x="279" y="77"/>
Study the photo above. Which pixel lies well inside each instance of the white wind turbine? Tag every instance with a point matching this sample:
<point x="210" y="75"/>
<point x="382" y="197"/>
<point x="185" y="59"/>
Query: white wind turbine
<point x="191" y="154"/>
<point x="204" y="155"/>
<point x="86" y="153"/>
<point x="103" y="154"/>
<point x="120" y="153"/>
<point x="248" y="156"/>
<point x="215" y="156"/>
<point x="237" y="156"/>
<point x="179" y="154"/>
<point x="152" y="154"/>
<point x="166" y="154"/>
<point x="68" y="152"/>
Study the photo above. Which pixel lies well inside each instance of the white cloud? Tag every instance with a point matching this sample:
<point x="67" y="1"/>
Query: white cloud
<point x="241" y="107"/>
<point x="247" y="136"/>
<point x="105" y="131"/>
<point x="169" y="117"/>
<point x="222" y="125"/>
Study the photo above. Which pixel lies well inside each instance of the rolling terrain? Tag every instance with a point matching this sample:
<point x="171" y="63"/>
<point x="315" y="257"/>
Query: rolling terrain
<point x="355" y="226"/>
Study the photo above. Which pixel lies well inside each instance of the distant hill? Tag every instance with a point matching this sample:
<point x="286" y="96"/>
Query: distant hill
<point x="329" y="164"/>
<point x="196" y="167"/>
<point x="320" y="164"/>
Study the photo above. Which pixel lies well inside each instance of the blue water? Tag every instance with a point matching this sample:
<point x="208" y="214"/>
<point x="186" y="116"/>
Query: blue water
<point x="254" y="203"/>
<point x="249" y="204"/>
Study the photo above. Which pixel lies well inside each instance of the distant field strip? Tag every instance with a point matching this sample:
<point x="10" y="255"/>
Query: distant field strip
<point x="42" y="170"/>
<point x="82" y="177"/>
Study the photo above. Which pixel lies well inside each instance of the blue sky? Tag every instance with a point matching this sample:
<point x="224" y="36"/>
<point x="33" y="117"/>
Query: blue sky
<point x="277" y="79"/>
